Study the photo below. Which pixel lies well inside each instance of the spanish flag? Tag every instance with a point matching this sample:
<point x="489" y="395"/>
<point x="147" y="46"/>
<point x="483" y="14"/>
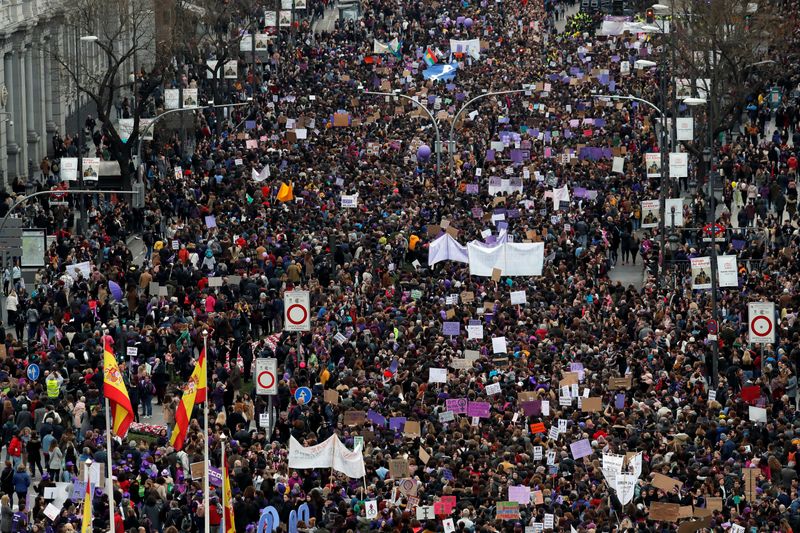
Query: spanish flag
<point x="285" y="193"/>
<point x="86" y="523"/>
<point x="117" y="394"/>
<point x="227" y="500"/>
<point x="193" y="393"/>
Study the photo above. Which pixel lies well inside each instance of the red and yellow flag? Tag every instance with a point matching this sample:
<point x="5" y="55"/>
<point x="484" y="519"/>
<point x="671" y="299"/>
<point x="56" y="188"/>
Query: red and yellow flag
<point x="117" y="394"/>
<point x="227" y="500"/>
<point x="86" y="526"/>
<point x="193" y="393"/>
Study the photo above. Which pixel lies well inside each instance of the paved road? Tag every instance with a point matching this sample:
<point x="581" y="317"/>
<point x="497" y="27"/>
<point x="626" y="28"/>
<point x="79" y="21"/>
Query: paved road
<point x="327" y="22"/>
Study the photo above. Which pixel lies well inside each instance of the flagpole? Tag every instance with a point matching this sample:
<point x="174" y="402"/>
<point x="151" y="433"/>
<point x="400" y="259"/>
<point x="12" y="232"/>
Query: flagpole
<point x="224" y="473"/>
<point x="109" y="480"/>
<point x="206" y="495"/>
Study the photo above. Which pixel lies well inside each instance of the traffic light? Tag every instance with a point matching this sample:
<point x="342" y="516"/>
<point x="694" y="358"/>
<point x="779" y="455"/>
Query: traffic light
<point x="650" y="16"/>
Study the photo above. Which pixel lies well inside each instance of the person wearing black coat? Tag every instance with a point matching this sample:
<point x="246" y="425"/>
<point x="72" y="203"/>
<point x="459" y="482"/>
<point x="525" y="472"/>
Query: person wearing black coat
<point x="7" y="479"/>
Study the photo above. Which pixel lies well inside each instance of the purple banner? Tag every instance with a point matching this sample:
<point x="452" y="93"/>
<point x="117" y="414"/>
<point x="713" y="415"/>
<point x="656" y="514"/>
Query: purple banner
<point x="457" y="405"/>
<point x="479" y="409"/>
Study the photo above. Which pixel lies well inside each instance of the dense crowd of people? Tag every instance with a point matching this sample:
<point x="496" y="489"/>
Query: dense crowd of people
<point x="221" y="243"/>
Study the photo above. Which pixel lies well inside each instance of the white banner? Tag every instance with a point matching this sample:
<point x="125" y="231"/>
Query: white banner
<point x="670" y="204"/>
<point x="446" y="248"/>
<point x="350" y="201"/>
<point x="612" y="468"/>
<point x="329" y="454"/>
<point x="270" y="19"/>
<point x="678" y="165"/>
<point x="125" y="129"/>
<point x="190" y="98"/>
<point x="505" y="186"/>
<point x="650" y="213"/>
<point x="701" y="272"/>
<point x="91" y="168"/>
<point x="172" y="99"/>
<point x="231" y="69"/>
<point x="349" y="463"/>
<point x="69" y="169"/>
<point x="471" y="47"/>
<point x="146" y="129"/>
<point x="626" y="484"/>
<point x="652" y="162"/>
<point x="513" y="259"/>
<point x="319" y="456"/>
<point x="684" y="129"/>
<point x="560" y="195"/>
<point x="727" y="271"/>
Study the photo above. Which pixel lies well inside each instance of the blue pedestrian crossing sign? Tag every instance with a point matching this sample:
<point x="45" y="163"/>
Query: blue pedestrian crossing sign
<point x="33" y="372"/>
<point x="303" y="395"/>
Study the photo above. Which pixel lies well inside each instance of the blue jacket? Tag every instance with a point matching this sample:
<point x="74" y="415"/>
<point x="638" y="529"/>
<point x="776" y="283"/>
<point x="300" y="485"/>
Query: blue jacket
<point x="22" y="480"/>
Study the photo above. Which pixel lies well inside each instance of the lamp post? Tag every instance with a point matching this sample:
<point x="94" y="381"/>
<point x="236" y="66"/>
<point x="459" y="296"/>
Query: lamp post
<point x="711" y="218"/>
<point x="662" y="197"/>
<point x="452" y="139"/>
<point x="81" y="225"/>
<point x="427" y="111"/>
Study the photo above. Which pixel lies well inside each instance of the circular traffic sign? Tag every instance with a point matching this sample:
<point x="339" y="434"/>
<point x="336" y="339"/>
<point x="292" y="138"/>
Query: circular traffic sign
<point x="266" y="379"/>
<point x="294" y="317"/>
<point x="712" y="327"/>
<point x="33" y="372"/>
<point x="761" y="326"/>
<point x="303" y="394"/>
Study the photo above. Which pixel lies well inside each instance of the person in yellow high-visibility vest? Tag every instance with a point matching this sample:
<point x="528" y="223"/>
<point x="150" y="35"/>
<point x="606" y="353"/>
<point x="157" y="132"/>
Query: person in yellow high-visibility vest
<point x="53" y="386"/>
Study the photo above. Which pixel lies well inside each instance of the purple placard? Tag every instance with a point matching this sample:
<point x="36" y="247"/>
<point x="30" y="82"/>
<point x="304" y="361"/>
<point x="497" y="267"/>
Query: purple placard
<point x="512" y="213"/>
<point x="457" y="405"/>
<point x="580" y="448"/>
<point x="250" y="124"/>
<point x="215" y="476"/>
<point x="472" y="188"/>
<point x="78" y="491"/>
<point x="579" y="192"/>
<point x="489" y="155"/>
<point x="477" y="212"/>
<point x="397" y="423"/>
<point x="479" y="409"/>
<point x="376" y="418"/>
<point x="451" y="328"/>
<point x="532" y="408"/>
<point x="619" y="401"/>
<point x="501" y="225"/>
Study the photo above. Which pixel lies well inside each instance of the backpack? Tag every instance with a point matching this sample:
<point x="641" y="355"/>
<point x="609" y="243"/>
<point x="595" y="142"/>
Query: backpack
<point x="186" y="523"/>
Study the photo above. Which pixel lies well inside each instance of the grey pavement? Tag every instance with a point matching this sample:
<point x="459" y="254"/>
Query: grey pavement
<point x="628" y="274"/>
<point x="328" y="20"/>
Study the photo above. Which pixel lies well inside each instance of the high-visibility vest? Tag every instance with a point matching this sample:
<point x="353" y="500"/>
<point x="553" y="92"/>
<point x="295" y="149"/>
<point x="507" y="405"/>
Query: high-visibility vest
<point x="53" y="389"/>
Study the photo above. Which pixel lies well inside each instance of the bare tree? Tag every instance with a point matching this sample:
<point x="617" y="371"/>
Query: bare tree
<point x="727" y="48"/>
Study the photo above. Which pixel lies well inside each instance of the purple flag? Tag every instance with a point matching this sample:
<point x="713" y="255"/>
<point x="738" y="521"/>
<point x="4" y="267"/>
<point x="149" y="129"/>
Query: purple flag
<point x="479" y="409"/>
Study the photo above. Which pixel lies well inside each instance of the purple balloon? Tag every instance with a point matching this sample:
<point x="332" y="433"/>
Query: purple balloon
<point x="460" y="20"/>
<point x="116" y="290"/>
<point x="467" y="22"/>
<point x="423" y="152"/>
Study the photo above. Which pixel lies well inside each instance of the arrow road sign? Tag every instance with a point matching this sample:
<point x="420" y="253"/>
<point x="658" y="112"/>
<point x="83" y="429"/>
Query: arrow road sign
<point x="303" y="395"/>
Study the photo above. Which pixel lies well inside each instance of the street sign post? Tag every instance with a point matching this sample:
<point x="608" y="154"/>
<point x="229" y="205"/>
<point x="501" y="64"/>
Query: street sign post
<point x="266" y="370"/>
<point x="297" y="311"/>
<point x="761" y="320"/>
<point x="303" y="395"/>
<point x="33" y="372"/>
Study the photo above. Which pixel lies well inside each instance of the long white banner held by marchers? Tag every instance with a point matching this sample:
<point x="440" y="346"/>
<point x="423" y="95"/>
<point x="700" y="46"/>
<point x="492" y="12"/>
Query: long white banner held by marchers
<point x="513" y="259"/>
<point x="318" y="456"/>
<point x="329" y="454"/>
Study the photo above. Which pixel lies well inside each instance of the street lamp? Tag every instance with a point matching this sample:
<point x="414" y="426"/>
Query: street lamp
<point x="662" y="197"/>
<point x="86" y="39"/>
<point x="660" y="7"/>
<point x="711" y="218"/>
<point x="644" y="63"/>
<point x="427" y="111"/>
<point x="452" y="140"/>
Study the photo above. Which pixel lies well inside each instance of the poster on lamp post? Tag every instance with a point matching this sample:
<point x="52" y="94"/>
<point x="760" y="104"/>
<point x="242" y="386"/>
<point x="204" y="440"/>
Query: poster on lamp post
<point x="172" y="99"/>
<point x="678" y="165"/>
<point x="701" y="273"/>
<point x="190" y="97"/>
<point x="69" y="169"/>
<point x="652" y="162"/>
<point x="650" y="213"/>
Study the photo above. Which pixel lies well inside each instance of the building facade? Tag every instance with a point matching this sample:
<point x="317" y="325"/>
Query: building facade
<point x="38" y="98"/>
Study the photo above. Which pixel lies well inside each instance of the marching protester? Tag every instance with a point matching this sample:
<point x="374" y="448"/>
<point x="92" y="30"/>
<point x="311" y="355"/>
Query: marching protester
<point x="450" y="399"/>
